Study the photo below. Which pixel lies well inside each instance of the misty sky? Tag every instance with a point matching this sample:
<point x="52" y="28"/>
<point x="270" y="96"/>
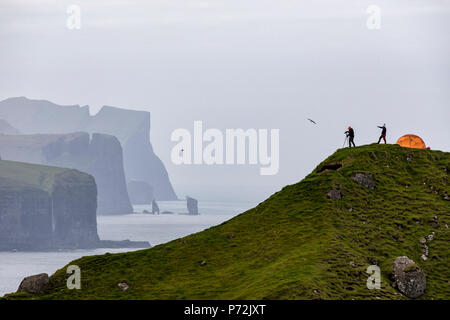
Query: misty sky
<point x="240" y="64"/>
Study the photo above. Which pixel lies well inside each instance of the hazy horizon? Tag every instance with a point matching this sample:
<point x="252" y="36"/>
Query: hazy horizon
<point x="240" y="64"/>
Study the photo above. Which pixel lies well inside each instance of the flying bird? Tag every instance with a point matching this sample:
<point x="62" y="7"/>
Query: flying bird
<point x="312" y="120"/>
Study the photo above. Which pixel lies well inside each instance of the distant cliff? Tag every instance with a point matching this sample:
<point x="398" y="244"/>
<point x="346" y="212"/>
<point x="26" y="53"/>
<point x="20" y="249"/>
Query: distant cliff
<point x="100" y="156"/>
<point x="132" y="128"/>
<point x="140" y="192"/>
<point x="6" y="128"/>
<point x="46" y="207"/>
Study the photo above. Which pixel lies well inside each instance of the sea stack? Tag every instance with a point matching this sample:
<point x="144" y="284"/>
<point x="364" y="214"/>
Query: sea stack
<point x="192" y="205"/>
<point x="155" y="207"/>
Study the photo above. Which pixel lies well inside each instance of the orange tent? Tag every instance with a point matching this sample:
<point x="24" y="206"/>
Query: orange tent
<point x="411" y="141"/>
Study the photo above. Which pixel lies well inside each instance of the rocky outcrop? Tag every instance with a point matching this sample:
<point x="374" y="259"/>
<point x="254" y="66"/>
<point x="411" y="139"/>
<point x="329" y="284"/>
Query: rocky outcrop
<point x="334" y="195"/>
<point x="192" y="206"/>
<point x="100" y="156"/>
<point x="409" y="279"/>
<point x="363" y="179"/>
<point x="333" y="166"/>
<point x="132" y="128"/>
<point x="140" y="192"/>
<point x="34" y="284"/>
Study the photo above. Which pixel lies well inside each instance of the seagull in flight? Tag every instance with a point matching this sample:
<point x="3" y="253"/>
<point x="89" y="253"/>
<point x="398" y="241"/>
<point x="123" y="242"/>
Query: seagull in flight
<point x="312" y="120"/>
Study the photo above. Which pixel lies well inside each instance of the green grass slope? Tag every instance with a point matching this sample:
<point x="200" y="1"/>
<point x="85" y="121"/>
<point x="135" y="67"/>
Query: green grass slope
<point x="298" y="244"/>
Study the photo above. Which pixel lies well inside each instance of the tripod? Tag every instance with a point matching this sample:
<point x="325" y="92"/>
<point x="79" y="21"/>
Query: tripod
<point x="345" y="141"/>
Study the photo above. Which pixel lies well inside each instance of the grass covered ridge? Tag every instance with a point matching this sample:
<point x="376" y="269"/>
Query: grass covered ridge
<point x="298" y="244"/>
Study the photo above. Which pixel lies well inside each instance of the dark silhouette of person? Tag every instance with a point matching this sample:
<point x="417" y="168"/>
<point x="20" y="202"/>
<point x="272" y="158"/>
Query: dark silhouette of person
<point x="383" y="134"/>
<point x="351" y="137"/>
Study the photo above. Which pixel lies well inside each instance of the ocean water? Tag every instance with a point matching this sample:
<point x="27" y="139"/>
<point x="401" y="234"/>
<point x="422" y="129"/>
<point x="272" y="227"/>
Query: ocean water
<point x="156" y="229"/>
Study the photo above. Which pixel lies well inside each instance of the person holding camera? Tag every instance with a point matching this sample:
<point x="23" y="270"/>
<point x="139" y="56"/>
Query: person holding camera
<point x="351" y="136"/>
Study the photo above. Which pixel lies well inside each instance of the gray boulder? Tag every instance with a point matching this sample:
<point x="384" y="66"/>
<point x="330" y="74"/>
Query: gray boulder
<point x="34" y="284"/>
<point x="409" y="279"/>
<point x="363" y="179"/>
<point x="334" y="195"/>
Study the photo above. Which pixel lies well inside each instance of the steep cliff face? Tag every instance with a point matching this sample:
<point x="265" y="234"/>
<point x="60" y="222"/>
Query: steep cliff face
<point x="108" y="166"/>
<point x="73" y="202"/>
<point x="46" y="207"/>
<point x="100" y="156"/>
<point x="25" y="216"/>
<point x="132" y="128"/>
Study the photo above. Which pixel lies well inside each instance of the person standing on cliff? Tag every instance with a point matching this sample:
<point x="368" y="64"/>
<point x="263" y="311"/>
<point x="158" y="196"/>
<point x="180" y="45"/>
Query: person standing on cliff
<point x="351" y="137"/>
<point x="383" y="133"/>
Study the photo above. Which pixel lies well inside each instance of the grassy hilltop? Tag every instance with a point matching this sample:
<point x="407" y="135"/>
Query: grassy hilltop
<point x="298" y="244"/>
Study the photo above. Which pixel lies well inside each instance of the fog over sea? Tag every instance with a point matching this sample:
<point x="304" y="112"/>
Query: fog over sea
<point x="156" y="229"/>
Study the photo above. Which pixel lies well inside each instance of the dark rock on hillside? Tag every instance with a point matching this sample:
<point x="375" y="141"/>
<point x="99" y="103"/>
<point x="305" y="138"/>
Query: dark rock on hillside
<point x="330" y="167"/>
<point x="334" y="195"/>
<point x="363" y="179"/>
<point x="100" y="156"/>
<point x="132" y="128"/>
<point x="409" y="279"/>
<point x="192" y="205"/>
<point x="34" y="284"/>
<point x="140" y="192"/>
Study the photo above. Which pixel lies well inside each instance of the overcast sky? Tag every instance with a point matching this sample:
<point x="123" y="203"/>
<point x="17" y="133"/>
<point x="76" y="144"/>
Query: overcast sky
<point x="240" y="64"/>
